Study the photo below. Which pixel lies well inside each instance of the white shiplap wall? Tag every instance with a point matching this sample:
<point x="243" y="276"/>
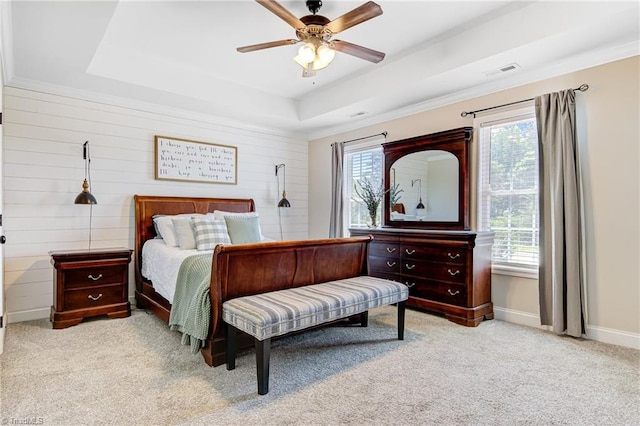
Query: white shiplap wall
<point x="43" y="172"/>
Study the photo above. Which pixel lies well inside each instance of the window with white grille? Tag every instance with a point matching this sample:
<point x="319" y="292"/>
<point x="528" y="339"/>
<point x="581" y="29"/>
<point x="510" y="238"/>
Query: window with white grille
<point x="363" y="162"/>
<point x="508" y="200"/>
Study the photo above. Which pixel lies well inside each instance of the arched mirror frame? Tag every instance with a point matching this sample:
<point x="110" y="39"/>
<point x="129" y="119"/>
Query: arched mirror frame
<point x="456" y="142"/>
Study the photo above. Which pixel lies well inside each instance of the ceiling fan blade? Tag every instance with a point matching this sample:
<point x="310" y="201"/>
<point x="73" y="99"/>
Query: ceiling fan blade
<point x="356" y="16"/>
<point x="254" y="47"/>
<point x="359" y="51"/>
<point x="277" y="9"/>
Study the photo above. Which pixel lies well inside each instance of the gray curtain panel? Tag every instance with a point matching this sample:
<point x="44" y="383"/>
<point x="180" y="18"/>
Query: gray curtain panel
<point x="336" y="221"/>
<point x="561" y="277"/>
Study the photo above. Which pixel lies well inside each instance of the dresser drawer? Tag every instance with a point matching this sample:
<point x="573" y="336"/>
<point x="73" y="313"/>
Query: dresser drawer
<point x="384" y="264"/>
<point x="94" y="297"/>
<point x="382" y="248"/>
<point x="452" y="294"/>
<point x="387" y="276"/>
<point x="433" y="271"/>
<point x="434" y="253"/>
<point x="95" y="276"/>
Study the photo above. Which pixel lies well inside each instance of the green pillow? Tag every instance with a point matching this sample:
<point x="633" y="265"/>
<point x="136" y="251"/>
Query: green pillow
<point x="243" y="229"/>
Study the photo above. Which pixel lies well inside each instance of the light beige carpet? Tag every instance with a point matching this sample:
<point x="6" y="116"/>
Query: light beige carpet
<point x="134" y="371"/>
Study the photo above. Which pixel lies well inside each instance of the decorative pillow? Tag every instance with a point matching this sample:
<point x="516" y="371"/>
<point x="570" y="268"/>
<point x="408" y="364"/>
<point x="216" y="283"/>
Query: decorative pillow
<point x="221" y="215"/>
<point x="209" y="233"/>
<point x="184" y="233"/>
<point x="164" y="226"/>
<point x="243" y="229"/>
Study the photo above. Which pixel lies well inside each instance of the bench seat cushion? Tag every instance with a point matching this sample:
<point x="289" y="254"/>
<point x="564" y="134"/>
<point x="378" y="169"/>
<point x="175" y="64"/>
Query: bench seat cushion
<point x="280" y="312"/>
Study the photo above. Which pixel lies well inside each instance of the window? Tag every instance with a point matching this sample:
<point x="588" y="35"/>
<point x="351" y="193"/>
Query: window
<point x="361" y="162"/>
<point x="508" y="188"/>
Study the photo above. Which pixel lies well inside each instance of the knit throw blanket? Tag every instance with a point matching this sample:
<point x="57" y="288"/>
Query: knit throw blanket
<point x="191" y="307"/>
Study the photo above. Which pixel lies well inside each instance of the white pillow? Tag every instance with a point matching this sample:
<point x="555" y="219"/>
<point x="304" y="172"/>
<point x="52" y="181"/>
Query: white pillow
<point x="164" y="225"/>
<point x="209" y="233"/>
<point x="184" y="233"/>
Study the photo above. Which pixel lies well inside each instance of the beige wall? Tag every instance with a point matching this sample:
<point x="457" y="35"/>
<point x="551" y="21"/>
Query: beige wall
<point x="608" y="122"/>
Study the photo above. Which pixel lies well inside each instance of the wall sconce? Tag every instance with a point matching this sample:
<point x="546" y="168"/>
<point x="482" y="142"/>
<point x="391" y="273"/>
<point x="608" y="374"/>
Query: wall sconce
<point x="85" y="197"/>
<point x="421" y="211"/>
<point x="420" y="206"/>
<point x="283" y="202"/>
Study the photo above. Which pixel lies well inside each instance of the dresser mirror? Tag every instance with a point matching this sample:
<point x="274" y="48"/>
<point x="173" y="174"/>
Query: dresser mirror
<point x="427" y="178"/>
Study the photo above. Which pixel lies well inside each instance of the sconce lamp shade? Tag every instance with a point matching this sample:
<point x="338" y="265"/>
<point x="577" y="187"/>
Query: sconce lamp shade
<point x="85" y="197"/>
<point x="284" y="202"/>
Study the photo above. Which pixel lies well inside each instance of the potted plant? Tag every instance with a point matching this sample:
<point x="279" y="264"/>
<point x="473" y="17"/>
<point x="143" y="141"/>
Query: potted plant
<point x="370" y="195"/>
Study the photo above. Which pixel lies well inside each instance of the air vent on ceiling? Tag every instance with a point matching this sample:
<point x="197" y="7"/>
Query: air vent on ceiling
<point x="505" y="68"/>
<point x="357" y="114"/>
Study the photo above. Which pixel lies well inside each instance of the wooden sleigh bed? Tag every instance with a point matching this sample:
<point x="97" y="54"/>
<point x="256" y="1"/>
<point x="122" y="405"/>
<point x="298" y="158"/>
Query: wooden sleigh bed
<point x="243" y="269"/>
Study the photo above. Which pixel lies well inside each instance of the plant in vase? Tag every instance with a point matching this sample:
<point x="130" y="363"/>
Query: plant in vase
<point x="370" y="195"/>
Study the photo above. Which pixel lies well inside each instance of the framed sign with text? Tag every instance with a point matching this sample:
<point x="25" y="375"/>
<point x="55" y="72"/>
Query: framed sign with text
<point x="186" y="160"/>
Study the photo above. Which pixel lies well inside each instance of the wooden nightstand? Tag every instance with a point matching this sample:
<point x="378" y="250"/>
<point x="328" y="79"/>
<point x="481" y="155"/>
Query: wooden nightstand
<point x="88" y="283"/>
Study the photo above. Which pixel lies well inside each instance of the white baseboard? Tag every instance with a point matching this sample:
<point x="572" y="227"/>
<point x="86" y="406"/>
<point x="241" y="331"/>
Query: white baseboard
<point x="29" y="315"/>
<point x="599" y="334"/>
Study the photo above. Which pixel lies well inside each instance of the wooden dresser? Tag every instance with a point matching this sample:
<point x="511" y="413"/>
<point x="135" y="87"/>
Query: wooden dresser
<point x="446" y="271"/>
<point x="89" y="283"/>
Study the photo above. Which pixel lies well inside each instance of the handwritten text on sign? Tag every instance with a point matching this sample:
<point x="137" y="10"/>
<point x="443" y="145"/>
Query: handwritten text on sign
<point x="180" y="159"/>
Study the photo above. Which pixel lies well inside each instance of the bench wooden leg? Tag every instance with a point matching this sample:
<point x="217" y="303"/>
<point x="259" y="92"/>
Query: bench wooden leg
<point x="263" y="352"/>
<point x="231" y="347"/>
<point x="401" y="311"/>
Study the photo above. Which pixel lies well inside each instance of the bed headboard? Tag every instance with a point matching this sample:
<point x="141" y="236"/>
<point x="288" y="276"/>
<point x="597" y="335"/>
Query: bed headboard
<point x="146" y="206"/>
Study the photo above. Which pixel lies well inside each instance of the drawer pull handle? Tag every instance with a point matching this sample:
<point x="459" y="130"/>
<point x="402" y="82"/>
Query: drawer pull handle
<point x="391" y="264"/>
<point x="409" y="267"/>
<point x="94" y="298"/>
<point x="409" y="252"/>
<point x="409" y="284"/>
<point x="453" y="256"/>
<point x="453" y="273"/>
<point x="391" y="249"/>
<point x="95" y="278"/>
<point x="453" y="293"/>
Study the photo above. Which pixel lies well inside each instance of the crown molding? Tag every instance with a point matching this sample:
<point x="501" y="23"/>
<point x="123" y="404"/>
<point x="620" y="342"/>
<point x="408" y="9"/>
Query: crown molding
<point x="569" y="65"/>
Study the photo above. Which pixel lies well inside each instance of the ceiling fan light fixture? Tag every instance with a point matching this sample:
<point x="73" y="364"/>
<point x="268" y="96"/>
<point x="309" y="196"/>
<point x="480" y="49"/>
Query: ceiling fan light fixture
<point x="307" y="53"/>
<point x="325" y="54"/>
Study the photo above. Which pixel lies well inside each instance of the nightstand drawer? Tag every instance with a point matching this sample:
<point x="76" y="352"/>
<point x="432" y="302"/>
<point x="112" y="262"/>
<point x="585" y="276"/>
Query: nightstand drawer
<point x="95" y="276"/>
<point x="94" y="297"/>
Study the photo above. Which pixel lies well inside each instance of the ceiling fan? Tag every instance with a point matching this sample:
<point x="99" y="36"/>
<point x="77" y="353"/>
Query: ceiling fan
<point x="316" y="32"/>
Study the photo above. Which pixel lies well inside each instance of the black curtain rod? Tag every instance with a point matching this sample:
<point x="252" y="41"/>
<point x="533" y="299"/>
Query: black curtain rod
<point x="365" y="137"/>
<point x="582" y="88"/>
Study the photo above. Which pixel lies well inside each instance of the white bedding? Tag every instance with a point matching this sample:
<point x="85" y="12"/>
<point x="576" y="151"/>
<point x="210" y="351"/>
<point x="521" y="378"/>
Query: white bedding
<point x="161" y="263"/>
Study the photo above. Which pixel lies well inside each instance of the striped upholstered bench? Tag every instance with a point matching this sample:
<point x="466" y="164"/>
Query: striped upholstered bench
<point x="272" y="314"/>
